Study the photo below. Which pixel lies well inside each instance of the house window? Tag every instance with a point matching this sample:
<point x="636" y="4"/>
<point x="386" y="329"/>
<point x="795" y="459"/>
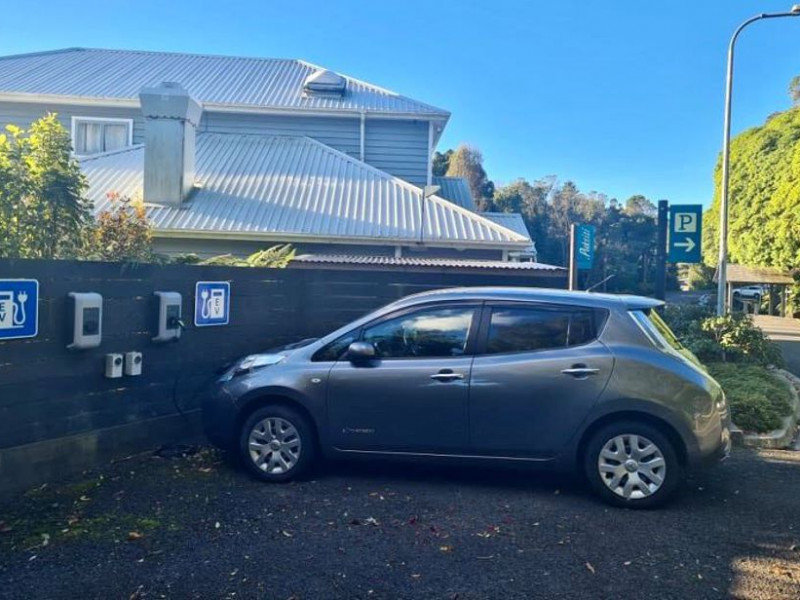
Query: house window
<point x="91" y="135"/>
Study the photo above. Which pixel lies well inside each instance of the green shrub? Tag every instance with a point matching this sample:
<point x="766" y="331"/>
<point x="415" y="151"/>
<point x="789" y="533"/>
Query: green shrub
<point x="732" y="338"/>
<point x="758" y="399"/>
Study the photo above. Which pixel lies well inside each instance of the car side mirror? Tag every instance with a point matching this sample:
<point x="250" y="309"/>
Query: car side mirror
<point x="361" y="351"/>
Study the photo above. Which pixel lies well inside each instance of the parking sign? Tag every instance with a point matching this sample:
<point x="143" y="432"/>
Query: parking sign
<point x="19" y="308"/>
<point x="212" y="303"/>
<point x="685" y="233"/>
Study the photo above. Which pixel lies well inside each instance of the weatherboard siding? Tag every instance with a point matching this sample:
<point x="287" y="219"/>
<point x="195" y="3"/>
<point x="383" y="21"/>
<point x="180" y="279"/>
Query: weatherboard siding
<point x="343" y="134"/>
<point x="398" y="147"/>
<point x="23" y="114"/>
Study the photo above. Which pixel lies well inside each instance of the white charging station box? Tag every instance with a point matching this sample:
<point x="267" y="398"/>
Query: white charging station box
<point x="169" y="316"/>
<point x="87" y="325"/>
<point x="133" y="363"/>
<point x="114" y="366"/>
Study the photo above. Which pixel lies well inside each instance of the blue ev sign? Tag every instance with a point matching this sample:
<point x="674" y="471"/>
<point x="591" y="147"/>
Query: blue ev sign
<point x="212" y="303"/>
<point x="685" y="233"/>
<point x="19" y="304"/>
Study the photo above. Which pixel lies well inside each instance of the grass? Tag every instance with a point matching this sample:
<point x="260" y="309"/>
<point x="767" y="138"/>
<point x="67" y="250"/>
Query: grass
<point x="758" y="399"/>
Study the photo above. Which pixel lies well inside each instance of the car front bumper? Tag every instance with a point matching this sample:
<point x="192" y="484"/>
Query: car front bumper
<point x="219" y="417"/>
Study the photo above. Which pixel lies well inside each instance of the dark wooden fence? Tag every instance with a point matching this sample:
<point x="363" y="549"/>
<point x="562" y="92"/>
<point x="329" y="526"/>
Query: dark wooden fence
<point x="59" y="413"/>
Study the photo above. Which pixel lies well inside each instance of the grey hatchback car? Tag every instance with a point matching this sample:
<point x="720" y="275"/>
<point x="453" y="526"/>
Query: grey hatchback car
<point x="565" y="380"/>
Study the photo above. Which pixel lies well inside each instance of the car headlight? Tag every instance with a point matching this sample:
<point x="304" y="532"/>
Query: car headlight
<point x="251" y="363"/>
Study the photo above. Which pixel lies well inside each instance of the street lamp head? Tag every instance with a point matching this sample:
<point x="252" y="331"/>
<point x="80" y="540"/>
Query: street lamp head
<point x="795" y="10"/>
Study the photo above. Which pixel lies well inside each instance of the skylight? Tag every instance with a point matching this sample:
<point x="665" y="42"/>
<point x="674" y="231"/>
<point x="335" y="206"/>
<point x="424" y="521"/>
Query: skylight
<point x="325" y="82"/>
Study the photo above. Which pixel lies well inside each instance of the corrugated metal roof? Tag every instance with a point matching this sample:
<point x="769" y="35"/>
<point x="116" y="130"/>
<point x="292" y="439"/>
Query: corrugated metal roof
<point x="456" y="189"/>
<point x="413" y="261"/>
<point x="283" y="187"/>
<point x="225" y="81"/>
<point x="515" y="223"/>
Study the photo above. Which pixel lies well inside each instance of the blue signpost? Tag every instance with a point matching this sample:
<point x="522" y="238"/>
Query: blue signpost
<point x="19" y="308"/>
<point x="685" y="233"/>
<point x="212" y="303"/>
<point x="584" y="240"/>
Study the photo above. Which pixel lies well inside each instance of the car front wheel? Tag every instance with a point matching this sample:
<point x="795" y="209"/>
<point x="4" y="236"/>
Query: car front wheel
<point x="277" y="443"/>
<point x="632" y="464"/>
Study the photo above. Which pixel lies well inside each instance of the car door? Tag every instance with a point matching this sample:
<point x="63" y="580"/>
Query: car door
<point x="413" y="396"/>
<point x="537" y="372"/>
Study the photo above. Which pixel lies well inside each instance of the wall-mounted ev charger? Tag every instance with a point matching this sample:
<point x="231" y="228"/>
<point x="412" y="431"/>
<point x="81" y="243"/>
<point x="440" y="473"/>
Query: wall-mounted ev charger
<point x="169" y="316"/>
<point x="87" y="324"/>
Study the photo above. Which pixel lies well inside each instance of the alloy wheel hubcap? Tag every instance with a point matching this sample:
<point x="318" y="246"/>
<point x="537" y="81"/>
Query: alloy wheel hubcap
<point x="632" y="466"/>
<point x="274" y="445"/>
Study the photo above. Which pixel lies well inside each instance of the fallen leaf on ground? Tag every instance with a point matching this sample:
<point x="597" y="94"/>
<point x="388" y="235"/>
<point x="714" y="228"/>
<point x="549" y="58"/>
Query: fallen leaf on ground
<point x="446" y="548"/>
<point x="590" y="567"/>
<point x="134" y="535"/>
<point x="286" y="533"/>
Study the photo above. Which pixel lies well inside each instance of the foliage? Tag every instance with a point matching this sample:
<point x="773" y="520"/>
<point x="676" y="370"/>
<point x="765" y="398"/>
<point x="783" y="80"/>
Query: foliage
<point x="276" y="257"/>
<point x="43" y="212"/>
<point x="757" y="398"/>
<point x="794" y="89"/>
<point x="764" y="223"/>
<point x="697" y="276"/>
<point x="732" y="338"/>
<point x="441" y="162"/>
<point x="467" y="162"/>
<point x="122" y="232"/>
<point x="625" y="234"/>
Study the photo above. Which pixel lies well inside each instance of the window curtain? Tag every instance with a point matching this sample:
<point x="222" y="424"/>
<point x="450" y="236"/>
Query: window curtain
<point x="92" y="137"/>
<point x="115" y="136"/>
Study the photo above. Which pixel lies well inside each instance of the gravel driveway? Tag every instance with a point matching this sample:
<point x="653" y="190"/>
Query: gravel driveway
<point x="197" y="527"/>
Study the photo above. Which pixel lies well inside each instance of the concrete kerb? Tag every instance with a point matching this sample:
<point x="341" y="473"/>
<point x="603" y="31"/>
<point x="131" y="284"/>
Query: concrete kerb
<point x="783" y="436"/>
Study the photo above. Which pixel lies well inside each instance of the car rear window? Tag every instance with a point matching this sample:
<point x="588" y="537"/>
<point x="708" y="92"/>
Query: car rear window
<point x="656" y="329"/>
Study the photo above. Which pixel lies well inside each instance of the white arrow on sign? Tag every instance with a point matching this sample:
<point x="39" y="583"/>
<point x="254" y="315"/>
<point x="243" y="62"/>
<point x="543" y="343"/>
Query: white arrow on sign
<point x="688" y="244"/>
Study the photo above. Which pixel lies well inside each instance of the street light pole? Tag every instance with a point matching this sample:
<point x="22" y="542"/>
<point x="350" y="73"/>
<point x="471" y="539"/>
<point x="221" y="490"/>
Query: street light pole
<point x="722" y="265"/>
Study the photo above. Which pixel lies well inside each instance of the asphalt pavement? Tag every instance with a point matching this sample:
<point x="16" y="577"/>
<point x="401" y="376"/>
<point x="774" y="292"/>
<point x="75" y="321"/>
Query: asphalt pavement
<point x="198" y="527"/>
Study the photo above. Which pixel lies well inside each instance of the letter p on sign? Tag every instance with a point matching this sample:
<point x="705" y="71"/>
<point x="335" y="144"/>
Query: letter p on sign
<point x="685" y="223"/>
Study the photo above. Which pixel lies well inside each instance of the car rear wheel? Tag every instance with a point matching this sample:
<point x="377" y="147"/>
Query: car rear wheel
<point x="277" y="443"/>
<point x="632" y="464"/>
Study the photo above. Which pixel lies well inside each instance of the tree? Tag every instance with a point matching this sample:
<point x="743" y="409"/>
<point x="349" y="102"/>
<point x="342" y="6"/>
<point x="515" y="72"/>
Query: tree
<point x="467" y="162"/>
<point x="122" y="232"/>
<point x="638" y="205"/>
<point x="43" y="212"/>
<point x="794" y="90"/>
<point x="764" y="196"/>
<point x="441" y="162"/>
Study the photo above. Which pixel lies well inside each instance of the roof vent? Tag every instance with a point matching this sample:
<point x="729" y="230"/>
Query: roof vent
<point x="324" y="82"/>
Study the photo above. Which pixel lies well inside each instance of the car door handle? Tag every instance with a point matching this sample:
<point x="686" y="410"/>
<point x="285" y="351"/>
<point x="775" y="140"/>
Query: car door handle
<point x="446" y="376"/>
<point x="580" y="371"/>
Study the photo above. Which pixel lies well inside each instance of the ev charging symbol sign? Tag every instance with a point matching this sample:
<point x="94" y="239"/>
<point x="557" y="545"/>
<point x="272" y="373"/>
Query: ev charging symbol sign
<point x="19" y="308"/>
<point x="212" y="303"/>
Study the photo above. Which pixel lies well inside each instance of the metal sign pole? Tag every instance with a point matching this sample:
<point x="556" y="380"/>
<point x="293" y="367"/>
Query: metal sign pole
<point x="573" y="267"/>
<point x="661" y="250"/>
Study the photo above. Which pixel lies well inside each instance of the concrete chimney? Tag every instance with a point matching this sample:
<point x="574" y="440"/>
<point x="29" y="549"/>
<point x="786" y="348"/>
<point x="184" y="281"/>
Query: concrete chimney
<point x="171" y="119"/>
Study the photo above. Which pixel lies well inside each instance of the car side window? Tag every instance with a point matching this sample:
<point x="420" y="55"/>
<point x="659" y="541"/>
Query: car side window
<point x="426" y="333"/>
<point x="527" y="329"/>
<point x="335" y="350"/>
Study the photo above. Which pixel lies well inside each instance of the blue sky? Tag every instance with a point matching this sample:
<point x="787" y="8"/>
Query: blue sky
<point x="621" y="97"/>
